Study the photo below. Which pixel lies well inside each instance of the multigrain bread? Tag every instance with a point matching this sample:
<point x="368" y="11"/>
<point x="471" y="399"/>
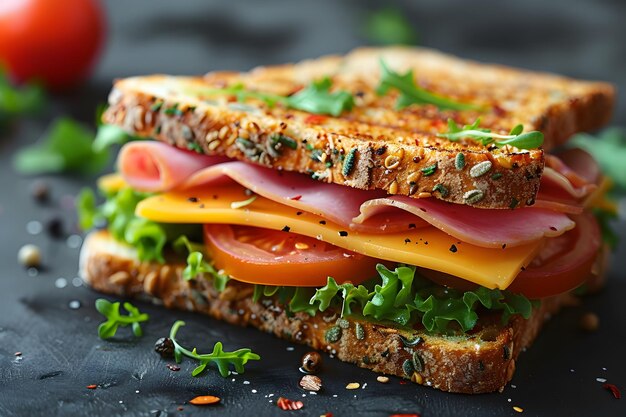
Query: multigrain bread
<point x="389" y="149"/>
<point x="481" y="361"/>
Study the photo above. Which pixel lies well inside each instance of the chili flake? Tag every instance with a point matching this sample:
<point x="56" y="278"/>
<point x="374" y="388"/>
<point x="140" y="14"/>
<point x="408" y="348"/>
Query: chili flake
<point x="287" y="404"/>
<point x="614" y="390"/>
<point x="92" y="386"/>
<point x="296" y="198"/>
<point x="315" y="119"/>
<point x="205" y="400"/>
<point x="173" y="367"/>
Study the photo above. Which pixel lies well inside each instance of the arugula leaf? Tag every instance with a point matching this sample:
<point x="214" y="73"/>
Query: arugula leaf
<point x="115" y="319"/>
<point x="390" y="26"/>
<point x="223" y="360"/>
<point x="528" y="140"/>
<point x="314" y="98"/>
<point x="411" y="93"/>
<point x="317" y="98"/>
<point x="66" y="146"/>
<point x="196" y="265"/>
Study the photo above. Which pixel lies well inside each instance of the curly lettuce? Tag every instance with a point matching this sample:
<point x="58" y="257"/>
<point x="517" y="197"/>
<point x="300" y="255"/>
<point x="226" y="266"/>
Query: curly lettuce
<point x="403" y="297"/>
<point x="117" y="214"/>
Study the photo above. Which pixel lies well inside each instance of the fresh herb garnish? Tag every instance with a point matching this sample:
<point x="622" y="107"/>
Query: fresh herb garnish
<point x="411" y="93"/>
<point x="314" y="98"/>
<point x="223" y="360"/>
<point x="14" y="101"/>
<point x="197" y="265"/>
<point x="115" y="319"/>
<point x="516" y="138"/>
<point x="66" y="146"/>
<point x="317" y="98"/>
<point x="390" y="26"/>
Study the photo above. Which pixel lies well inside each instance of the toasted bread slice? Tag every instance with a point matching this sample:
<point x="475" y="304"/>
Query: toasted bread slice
<point x="447" y="363"/>
<point x="373" y="146"/>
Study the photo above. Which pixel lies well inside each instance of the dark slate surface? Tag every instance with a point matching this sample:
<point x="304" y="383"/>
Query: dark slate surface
<point x="61" y="353"/>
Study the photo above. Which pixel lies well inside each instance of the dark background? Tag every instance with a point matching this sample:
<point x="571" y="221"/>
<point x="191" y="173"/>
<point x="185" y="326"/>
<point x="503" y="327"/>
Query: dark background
<point x="61" y="353"/>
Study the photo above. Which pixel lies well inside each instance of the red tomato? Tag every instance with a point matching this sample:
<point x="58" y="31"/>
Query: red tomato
<point x="52" y="41"/>
<point x="270" y="257"/>
<point x="563" y="264"/>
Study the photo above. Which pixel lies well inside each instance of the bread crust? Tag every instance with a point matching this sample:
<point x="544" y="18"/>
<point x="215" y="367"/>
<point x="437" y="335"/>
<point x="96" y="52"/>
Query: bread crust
<point x="482" y="361"/>
<point x="391" y="149"/>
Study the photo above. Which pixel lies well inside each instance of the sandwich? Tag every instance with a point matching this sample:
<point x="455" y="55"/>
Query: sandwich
<point x="410" y="212"/>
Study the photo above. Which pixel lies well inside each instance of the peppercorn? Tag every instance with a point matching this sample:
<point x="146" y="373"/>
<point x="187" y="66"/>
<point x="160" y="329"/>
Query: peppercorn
<point x="54" y="227"/>
<point x="164" y="347"/>
<point x="311" y="362"/>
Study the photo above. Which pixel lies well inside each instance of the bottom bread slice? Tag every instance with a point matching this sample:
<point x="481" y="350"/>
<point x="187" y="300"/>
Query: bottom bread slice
<point x="478" y="362"/>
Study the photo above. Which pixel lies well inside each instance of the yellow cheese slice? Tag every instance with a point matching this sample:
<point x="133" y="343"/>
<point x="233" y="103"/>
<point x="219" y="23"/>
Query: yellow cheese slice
<point x="426" y="247"/>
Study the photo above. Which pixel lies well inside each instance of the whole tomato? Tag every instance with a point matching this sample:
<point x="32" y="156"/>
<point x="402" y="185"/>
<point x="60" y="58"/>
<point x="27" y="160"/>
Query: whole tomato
<point x="54" y="42"/>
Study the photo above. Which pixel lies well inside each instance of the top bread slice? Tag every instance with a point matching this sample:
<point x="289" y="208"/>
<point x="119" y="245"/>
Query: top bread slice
<point x="373" y="146"/>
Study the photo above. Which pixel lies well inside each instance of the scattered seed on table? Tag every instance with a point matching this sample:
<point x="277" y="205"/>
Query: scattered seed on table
<point x="311" y="383"/>
<point x="353" y="385"/>
<point x="382" y="379"/>
<point x="29" y="256"/>
<point x="589" y="322"/>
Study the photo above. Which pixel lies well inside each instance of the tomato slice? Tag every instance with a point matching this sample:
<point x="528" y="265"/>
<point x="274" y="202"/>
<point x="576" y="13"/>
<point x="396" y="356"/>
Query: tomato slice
<point x="564" y="263"/>
<point x="269" y="257"/>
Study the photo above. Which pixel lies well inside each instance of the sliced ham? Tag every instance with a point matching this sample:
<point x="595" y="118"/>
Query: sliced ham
<point x="336" y="203"/>
<point x="471" y="225"/>
<point x="154" y="166"/>
<point x="567" y="181"/>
